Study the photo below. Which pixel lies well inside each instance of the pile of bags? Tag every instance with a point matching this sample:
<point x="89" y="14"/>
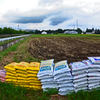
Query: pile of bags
<point x="63" y="77"/>
<point x="11" y="73"/>
<point x="21" y="74"/>
<point x="2" y="75"/>
<point x="32" y="71"/>
<point x="45" y="74"/>
<point x="81" y="75"/>
<point x="79" y="72"/>
<point x="93" y="72"/>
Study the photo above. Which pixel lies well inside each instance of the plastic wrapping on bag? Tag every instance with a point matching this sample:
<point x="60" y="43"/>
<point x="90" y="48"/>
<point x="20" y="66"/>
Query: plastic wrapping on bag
<point x="94" y="59"/>
<point x="66" y="89"/>
<point x="46" y="68"/>
<point x="79" y="72"/>
<point x="80" y="76"/>
<point x="56" y="77"/>
<point x="44" y="86"/>
<point x="61" y="67"/>
<point x="65" y="85"/>
<point x="62" y="75"/>
<point x="2" y="75"/>
<point x="77" y="66"/>
<point x="65" y="92"/>
<point x="80" y="79"/>
<point x="82" y="88"/>
<point x="80" y="83"/>
<point x="45" y="74"/>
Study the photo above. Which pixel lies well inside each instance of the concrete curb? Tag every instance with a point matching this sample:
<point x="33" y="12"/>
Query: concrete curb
<point x="7" y="45"/>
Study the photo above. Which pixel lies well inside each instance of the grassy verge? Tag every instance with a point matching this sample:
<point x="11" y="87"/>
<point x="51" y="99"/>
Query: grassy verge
<point x="8" y="41"/>
<point x="72" y="35"/>
<point x="94" y="94"/>
<point x="9" y="92"/>
<point x="12" y="48"/>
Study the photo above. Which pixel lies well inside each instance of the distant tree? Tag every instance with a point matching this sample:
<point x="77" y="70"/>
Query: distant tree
<point x="79" y="30"/>
<point x="55" y="32"/>
<point x="97" y="31"/>
<point x="1" y="32"/>
<point x="49" y="31"/>
<point x="60" y="31"/>
<point x="5" y="30"/>
<point x="92" y="29"/>
<point x="88" y="30"/>
<point x="37" y="32"/>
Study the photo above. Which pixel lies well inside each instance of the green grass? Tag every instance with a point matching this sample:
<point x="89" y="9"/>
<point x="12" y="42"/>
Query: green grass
<point x="93" y="94"/>
<point x="8" y="41"/>
<point x="10" y="92"/>
<point x="12" y="48"/>
<point x="72" y="35"/>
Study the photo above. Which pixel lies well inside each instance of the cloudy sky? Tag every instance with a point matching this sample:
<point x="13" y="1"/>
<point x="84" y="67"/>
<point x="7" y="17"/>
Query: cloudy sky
<point x="50" y="14"/>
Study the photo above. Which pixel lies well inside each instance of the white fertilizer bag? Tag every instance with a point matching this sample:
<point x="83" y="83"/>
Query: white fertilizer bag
<point x="65" y="85"/>
<point x="93" y="72"/>
<point x="80" y="80"/>
<point x="46" y="68"/>
<point x="53" y="85"/>
<point x="45" y="74"/>
<point x="48" y="80"/>
<point x="65" y="90"/>
<point x="90" y="65"/>
<point x="95" y="60"/>
<point x="78" y="66"/>
<point x="66" y="81"/>
<point x="61" y="67"/>
<point x="63" y="77"/>
<point x="79" y="72"/>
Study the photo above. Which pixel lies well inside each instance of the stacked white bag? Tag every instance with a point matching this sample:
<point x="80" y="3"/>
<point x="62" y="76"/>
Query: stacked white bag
<point x="93" y="72"/>
<point x="45" y="74"/>
<point x="63" y="77"/>
<point x="79" y="72"/>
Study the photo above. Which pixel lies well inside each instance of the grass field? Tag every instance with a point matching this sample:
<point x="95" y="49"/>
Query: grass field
<point x="20" y="52"/>
<point x="10" y="92"/>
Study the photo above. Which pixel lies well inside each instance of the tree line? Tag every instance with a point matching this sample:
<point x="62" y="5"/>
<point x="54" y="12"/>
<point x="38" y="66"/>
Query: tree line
<point x="96" y="31"/>
<point x="9" y="30"/>
<point x="58" y="31"/>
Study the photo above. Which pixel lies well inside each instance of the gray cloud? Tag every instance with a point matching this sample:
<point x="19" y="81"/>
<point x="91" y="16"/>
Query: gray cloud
<point x="57" y="20"/>
<point x="34" y="19"/>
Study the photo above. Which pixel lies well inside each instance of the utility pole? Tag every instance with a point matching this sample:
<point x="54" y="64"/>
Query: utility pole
<point x="77" y="23"/>
<point x="18" y="27"/>
<point x="74" y="27"/>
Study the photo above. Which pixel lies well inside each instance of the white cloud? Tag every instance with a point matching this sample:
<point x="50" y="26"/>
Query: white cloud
<point x="85" y="11"/>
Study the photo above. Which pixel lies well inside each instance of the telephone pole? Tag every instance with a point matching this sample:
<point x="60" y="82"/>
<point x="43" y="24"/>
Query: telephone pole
<point x="18" y="27"/>
<point x="77" y="23"/>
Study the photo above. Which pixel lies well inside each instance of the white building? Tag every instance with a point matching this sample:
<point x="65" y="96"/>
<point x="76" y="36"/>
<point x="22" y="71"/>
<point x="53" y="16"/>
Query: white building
<point x="88" y="32"/>
<point x="70" y="32"/>
<point x="44" y="32"/>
